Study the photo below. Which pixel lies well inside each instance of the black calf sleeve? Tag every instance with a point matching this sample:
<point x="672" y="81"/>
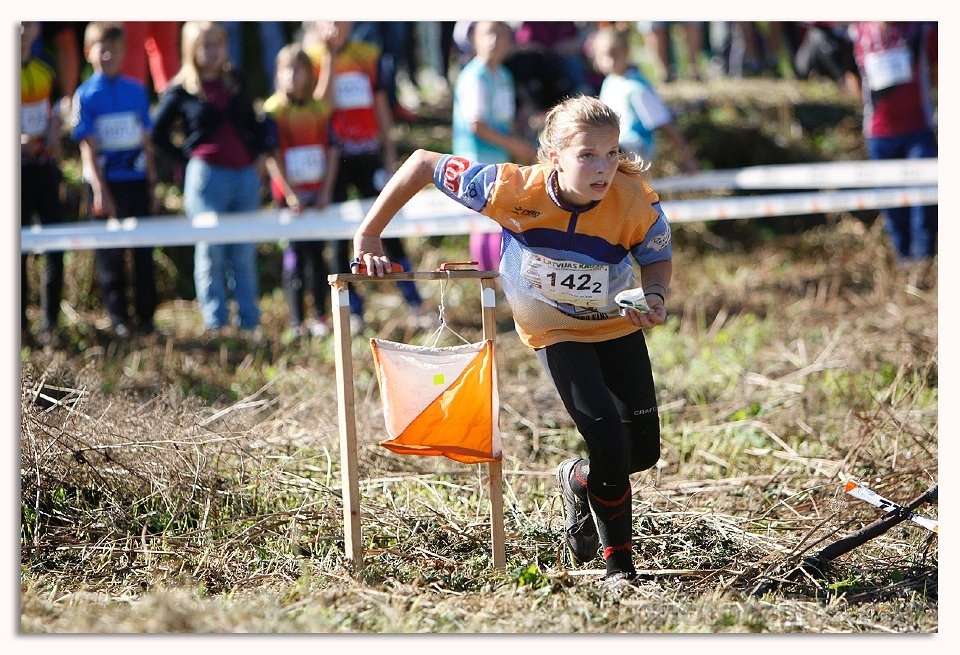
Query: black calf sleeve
<point x="612" y="506"/>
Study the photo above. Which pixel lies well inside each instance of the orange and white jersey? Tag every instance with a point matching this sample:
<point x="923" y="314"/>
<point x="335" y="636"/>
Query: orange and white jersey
<point x="562" y="266"/>
<point x="356" y="80"/>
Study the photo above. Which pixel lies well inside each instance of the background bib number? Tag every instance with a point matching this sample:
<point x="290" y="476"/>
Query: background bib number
<point x="305" y="164"/>
<point x="119" y="131"/>
<point x="352" y="91"/>
<point x="33" y="118"/>
<point x="888" y="68"/>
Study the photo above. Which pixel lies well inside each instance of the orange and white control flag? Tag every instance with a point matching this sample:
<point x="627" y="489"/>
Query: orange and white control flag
<point x="439" y="401"/>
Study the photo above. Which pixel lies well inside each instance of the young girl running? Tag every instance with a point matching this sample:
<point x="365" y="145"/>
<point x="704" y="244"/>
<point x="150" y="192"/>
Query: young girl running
<point x="302" y="172"/>
<point x="570" y="224"/>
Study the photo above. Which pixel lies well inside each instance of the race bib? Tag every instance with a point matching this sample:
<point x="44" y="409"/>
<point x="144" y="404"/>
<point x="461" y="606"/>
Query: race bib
<point x="352" y="91"/>
<point x="582" y="285"/>
<point x="34" y="117"/>
<point x="888" y="68"/>
<point x="305" y="164"/>
<point x="120" y="131"/>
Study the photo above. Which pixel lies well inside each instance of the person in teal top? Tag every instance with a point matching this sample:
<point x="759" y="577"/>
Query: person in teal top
<point x="634" y="99"/>
<point x="483" y="118"/>
<point x="482" y="96"/>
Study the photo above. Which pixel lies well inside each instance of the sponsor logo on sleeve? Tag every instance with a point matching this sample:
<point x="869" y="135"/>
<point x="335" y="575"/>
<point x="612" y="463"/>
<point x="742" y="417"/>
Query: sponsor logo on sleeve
<point x="660" y="241"/>
<point x="452" y="170"/>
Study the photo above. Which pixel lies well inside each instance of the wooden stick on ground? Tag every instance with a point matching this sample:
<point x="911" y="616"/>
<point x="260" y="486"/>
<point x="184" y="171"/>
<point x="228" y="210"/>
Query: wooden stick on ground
<point x="816" y="563"/>
<point x="347" y="422"/>
<point x="494" y="469"/>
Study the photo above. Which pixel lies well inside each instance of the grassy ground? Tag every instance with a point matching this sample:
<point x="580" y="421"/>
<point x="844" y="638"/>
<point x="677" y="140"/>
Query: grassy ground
<point x="186" y="484"/>
<point x="183" y="483"/>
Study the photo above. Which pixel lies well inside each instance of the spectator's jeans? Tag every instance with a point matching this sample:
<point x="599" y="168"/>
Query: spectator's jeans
<point x="913" y="230"/>
<point x="209" y="188"/>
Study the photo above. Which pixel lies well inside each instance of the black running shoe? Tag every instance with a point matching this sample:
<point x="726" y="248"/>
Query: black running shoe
<point x="579" y="528"/>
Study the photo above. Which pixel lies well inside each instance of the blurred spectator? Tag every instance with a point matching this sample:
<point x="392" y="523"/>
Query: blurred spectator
<point x="628" y="93"/>
<point x="40" y="175"/>
<point x="745" y="50"/>
<point x="447" y="44"/>
<point x="484" y="102"/>
<point x="63" y="39"/>
<point x="483" y="119"/>
<point x="461" y="38"/>
<point x="152" y="43"/>
<point x="657" y="38"/>
<point x="897" y="65"/>
<point x="316" y="39"/>
<point x="542" y="77"/>
<point x="222" y="143"/>
<point x="562" y="39"/>
<point x="272" y="38"/>
<point x="361" y="127"/>
<point x="302" y="172"/>
<point x="741" y="49"/>
<point x="435" y="40"/>
<point x="395" y="41"/>
<point x="111" y="120"/>
<point x="777" y="43"/>
<point x="825" y="49"/>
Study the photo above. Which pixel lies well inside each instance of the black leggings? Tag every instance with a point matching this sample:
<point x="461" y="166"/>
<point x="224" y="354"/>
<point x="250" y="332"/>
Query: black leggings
<point x="607" y="388"/>
<point x="40" y="196"/>
<point x="304" y="267"/>
<point x="130" y="199"/>
<point x="358" y="171"/>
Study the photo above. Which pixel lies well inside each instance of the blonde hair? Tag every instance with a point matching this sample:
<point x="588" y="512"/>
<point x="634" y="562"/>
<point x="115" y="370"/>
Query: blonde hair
<point x="583" y="111"/>
<point x="293" y="54"/>
<point x="189" y="74"/>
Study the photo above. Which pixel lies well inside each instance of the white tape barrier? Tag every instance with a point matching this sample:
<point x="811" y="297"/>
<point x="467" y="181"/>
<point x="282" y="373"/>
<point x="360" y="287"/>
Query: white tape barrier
<point x="797" y="204"/>
<point x="829" y="175"/>
<point x="429" y="213"/>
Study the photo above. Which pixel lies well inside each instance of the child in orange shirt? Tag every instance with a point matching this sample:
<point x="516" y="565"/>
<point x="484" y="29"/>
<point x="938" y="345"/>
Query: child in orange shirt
<point x="361" y="126"/>
<point x="302" y="172"/>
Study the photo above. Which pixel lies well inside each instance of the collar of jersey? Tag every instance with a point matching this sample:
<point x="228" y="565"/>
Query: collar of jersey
<point x="553" y="190"/>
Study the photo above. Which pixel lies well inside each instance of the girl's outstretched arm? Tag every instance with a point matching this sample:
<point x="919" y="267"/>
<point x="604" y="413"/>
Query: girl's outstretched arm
<point x="415" y="173"/>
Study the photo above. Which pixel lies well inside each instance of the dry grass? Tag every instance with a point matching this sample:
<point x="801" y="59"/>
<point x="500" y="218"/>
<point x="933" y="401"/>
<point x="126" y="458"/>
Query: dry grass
<point x="181" y="484"/>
